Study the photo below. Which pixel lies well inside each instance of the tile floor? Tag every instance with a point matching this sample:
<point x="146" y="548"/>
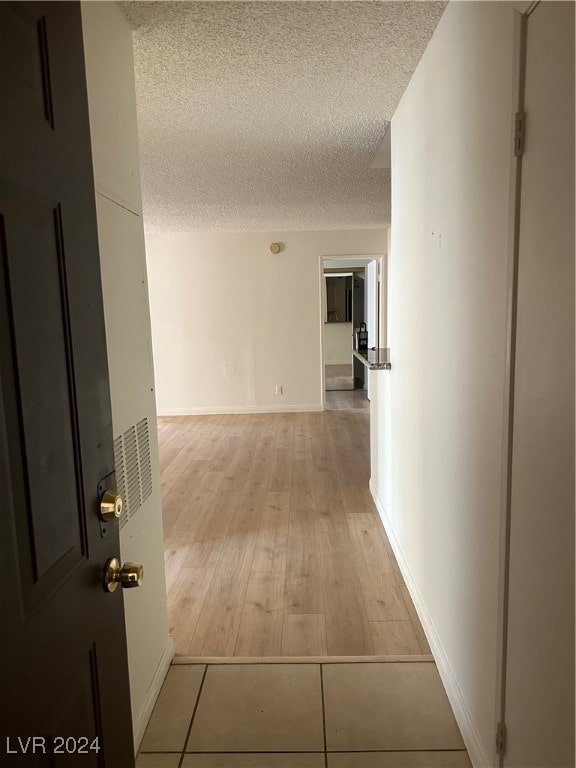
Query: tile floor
<point x="303" y="715"/>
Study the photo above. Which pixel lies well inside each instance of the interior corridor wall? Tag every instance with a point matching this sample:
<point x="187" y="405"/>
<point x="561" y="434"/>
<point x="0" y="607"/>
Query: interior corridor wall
<point x="338" y="343"/>
<point x="438" y="415"/>
<point x="112" y="106"/>
<point x="230" y="320"/>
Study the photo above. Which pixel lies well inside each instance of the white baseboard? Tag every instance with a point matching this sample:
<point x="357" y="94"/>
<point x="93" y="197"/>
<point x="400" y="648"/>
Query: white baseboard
<point x="476" y="751"/>
<point x="234" y="409"/>
<point x="141" y="720"/>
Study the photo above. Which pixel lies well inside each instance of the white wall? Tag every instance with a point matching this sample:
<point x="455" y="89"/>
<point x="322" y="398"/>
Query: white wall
<point x="371" y="304"/>
<point x="338" y="343"/>
<point x="230" y="320"/>
<point x="438" y="414"/>
<point x="111" y="96"/>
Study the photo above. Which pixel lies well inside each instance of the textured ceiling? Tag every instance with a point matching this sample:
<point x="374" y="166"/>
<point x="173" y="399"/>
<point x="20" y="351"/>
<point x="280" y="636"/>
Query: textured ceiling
<point x="268" y="115"/>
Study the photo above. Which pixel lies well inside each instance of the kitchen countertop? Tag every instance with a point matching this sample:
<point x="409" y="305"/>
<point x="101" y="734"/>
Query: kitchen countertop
<point x="374" y="359"/>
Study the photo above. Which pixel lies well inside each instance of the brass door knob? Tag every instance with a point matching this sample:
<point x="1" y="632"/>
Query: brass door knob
<point x="110" y="506"/>
<point x="128" y="576"/>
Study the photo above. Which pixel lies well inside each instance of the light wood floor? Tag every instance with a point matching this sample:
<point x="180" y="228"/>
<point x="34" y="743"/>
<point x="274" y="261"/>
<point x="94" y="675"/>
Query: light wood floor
<point x="273" y="544"/>
<point x="345" y="401"/>
<point x="338" y="377"/>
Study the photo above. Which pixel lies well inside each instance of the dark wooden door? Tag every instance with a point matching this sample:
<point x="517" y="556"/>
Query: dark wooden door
<point x="63" y="650"/>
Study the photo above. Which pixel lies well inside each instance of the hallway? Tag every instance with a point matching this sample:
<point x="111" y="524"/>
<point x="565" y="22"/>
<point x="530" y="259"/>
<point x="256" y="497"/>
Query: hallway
<point x="273" y="544"/>
<point x="338" y="378"/>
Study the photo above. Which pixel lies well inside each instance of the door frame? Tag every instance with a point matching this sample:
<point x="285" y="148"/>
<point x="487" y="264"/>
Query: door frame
<point x="508" y="409"/>
<point x="380" y="301"/>
<point x="522" y="13"/>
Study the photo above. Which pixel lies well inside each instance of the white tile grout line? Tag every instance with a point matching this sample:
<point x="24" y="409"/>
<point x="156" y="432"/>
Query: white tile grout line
<point x="323" y="716"/>
<point x="183" y="755"/>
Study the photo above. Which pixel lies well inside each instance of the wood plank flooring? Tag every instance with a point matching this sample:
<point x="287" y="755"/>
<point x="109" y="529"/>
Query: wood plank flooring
<point x="345" y="401"/>
<point x="338" y="377"/>
<point x="273" y="545"/>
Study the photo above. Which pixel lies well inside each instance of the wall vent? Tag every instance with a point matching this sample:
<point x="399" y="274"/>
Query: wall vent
<point x="133" y="468"/>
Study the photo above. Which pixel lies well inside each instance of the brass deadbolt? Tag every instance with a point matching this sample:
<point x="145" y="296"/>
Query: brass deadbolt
<point x="275" y="248"/>
<point x="130" y="575"/>
<point x="110" y="506"/>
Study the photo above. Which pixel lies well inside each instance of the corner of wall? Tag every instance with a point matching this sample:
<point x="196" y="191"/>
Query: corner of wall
<point x="438" y="480"/>
<point x="471" y="737"/>
<point x="143" y="716"/>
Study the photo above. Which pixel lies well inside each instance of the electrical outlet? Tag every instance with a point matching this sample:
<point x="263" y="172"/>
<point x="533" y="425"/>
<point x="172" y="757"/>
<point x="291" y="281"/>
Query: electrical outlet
<point x="278" y="389"/>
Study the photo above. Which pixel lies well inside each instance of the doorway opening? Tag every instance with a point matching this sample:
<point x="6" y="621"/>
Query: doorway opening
<point x="349" y="319"/>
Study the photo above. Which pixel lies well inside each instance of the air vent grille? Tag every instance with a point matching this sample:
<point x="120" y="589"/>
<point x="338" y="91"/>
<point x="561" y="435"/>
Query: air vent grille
<point x="133" y="468"/>
<point x="121" y="478"/>
<point x="143" y="440"/>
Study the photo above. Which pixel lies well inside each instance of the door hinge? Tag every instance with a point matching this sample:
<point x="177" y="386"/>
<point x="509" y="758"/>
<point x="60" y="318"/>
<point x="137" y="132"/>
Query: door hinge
<point x="519" y="125"/>
<point x="500" y="738"/>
